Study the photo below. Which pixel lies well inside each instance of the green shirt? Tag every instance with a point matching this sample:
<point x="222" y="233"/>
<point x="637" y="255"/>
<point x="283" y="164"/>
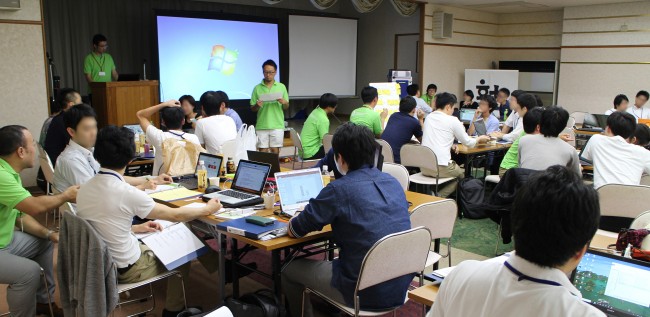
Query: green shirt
<point x="94" y="64"/>
<point x="316" y="126"/>
<point x="271" y="115"/>
<point x="12" y="193"/>
<point x="511" y="160"/>
<point x="428" y="100"/>
<point x="368" y="117"/>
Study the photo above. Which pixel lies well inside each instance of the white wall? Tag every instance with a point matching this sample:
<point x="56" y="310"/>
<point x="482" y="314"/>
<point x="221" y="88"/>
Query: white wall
<point x="22" y="62"/>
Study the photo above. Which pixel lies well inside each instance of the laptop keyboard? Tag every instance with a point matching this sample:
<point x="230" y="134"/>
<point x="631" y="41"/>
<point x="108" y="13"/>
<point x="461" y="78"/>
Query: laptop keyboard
<point x="236" y="194"/>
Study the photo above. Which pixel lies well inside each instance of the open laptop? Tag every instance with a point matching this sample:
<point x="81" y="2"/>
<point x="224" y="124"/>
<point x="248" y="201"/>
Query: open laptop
<point x="467" y="115"/>
<point x="615" y="285"/>
<point x="591" y="123"/>
<point x="296" y="188"/>
<point x="128" y="77"/>
<point x="212" y="165"/>
<point x="247" y="186"/>
<point x="265" y="157"/>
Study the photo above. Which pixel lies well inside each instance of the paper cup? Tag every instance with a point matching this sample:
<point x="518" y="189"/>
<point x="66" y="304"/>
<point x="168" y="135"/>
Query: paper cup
<point x="269" y="201"/>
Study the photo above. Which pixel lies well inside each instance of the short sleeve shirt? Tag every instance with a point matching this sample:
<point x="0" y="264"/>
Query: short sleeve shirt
<point x="367" y="117"/>
<point x="94" y="65"/>
<point x="271" y="115"/>
<point x="400" y="128"/>
<point x="12" y="193"/>
<point x="316" y="126"/>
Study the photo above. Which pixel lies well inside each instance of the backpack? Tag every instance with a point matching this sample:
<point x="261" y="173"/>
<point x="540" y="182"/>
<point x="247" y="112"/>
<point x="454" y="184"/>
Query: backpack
<point x="179" y="156"/>
<point x="471" y="193"/>
<point x="259" y="304"/>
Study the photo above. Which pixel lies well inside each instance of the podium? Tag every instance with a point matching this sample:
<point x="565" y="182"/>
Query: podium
<point x="117" y="102"/>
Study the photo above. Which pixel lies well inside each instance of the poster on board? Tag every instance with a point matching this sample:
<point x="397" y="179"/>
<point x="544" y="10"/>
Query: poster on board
<point x="489" y="81"/>
<point x="389" y="97"/>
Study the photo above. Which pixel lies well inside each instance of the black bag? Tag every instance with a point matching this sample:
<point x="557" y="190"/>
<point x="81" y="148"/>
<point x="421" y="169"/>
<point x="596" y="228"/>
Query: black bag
<point x="259" y="304"/>
<point x="471" y="193"/>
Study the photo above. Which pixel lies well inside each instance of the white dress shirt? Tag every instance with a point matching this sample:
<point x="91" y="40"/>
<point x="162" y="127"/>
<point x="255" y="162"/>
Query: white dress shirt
<point x="75" y="166"/>
<point x="516" y="130"/>
<point x="610" y="111"/>
<point x="639" y="113"/>
<point x="214" y="131"/>
<point x="440" y="130"/>
<point x="488" y="289"/>
<point x="616" y="161"/>
<point x="513" y="120"/>
<point x="109" y="204"/>
<point x="156" y="138"/>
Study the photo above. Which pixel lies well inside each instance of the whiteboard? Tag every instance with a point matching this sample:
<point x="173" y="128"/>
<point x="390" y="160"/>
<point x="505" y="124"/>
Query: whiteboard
<point x="489" y="81"/>
<point x="322" y="56"/>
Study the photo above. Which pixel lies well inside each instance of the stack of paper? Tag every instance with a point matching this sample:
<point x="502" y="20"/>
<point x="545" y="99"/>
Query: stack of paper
<point x="175" y="194"/>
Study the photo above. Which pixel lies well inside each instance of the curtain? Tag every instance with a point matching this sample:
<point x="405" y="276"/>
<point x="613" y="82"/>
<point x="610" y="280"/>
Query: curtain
<point x="323" y="4"/>
<point x="405" y="8"/>
<point x="365" y="6"/>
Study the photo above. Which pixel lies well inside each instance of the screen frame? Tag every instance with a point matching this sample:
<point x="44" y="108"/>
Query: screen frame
<point x="247" y="190"/>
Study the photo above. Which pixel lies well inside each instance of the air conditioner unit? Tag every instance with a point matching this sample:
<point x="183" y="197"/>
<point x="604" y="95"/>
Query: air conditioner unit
<point x="442" y="25"/>
<point x="9" y="4"/>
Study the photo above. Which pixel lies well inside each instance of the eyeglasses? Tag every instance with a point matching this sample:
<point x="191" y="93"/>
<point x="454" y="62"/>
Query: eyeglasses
<point x="269" y="73"/>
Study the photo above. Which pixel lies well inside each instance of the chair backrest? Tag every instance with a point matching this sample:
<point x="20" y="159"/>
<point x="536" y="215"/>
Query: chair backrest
<point x="327" y="142"/>
<point x="229" y="149"/>
<point x="295" y="138"/>
<point x="46" y="164"/>
<point x="399" y="172"/>
<point x="386" y="151"/>
<point x="571" y="122"/>
<point x="419" y="156"/>
<point x="642" y="221"/>
<point x="578" y="116"/>
<point x="393" y="256"/>
<point x="623" y="200"/>
<point x="439" y="217"/>
<point x="572" y="135"/>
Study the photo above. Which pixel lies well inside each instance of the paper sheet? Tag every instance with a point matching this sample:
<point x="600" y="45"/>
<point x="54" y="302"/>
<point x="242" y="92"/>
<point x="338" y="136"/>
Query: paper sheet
<point x="195" y="205"/>
<point x="175" y="194"/>
<point x="175" y="246"/>
<point x="164" y="223"/>
<point x="161" y="188"/>
<point x="232" y="214"/>
<point x="272" y="96"/>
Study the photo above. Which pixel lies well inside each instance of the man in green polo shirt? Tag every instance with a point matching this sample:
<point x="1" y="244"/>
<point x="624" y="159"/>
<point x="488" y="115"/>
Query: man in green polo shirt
<point x="430" y="96"/>
<point x="366" y="114"/>
<point x="25" y="245"/>
<point x="316" y="126"/>
<point x="531" y="122"/>
<point x="99" y="65"/>
<point x="270" y="112"/>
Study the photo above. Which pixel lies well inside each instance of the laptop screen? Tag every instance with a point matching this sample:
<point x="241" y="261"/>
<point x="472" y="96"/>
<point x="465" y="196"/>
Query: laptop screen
<point x="296" y="188"/>
<point x="135" y="128"/>
<point x="251" y="176"/>
<point x="613" y="284"/>
<point x="467" y="114"/>
<point x="212" y="164"/>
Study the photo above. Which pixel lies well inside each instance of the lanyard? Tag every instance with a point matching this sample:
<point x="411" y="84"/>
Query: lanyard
<point x="523" y="276"/>
<point x="178" y="135"/>
<point x="103" y="59"/>
<point x="109" y="173"/>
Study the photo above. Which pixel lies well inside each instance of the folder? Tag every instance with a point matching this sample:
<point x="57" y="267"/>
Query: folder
<point x="249" y="230"/>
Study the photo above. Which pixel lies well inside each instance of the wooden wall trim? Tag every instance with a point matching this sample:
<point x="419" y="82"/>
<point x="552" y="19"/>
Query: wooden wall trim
<point x="493" y="47"/>
<point x="607" y="63"/>
<point x="32" y="22"/>
<point x="605" y="46"/>
<point x="509" y="35"/>
<point x="608" y="17"/>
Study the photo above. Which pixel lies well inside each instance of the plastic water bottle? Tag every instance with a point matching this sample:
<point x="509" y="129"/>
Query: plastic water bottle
<point x="202" y="176"/>
<point x="326" y="175"/>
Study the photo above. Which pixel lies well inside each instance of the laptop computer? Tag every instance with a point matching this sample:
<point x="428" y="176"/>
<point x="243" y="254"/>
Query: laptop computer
<point x="128" y="77"/>
<point x="591" y="123"/>
<point x="212" y="165"/>
<point x="135" y="128"/>
<point x="467" y="115"/>
<point x="479" y="127"/>
<point x="296" y="188"/>
<point x="247" y="186"/>
<point x="265" y="157"/>
<point x="616" y="285"/>
<point x="584" y="161"/>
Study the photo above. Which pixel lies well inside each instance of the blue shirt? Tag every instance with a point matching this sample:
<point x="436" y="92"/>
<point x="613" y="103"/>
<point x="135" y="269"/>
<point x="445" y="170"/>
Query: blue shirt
<point x="401" y="127"/>
<point x="492" y="124"/>
<point x="362" y="207"/>
<point x="235" y="116"/>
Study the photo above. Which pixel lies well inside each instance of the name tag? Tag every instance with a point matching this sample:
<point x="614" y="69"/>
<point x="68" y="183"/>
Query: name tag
<point x="102" y="73"/>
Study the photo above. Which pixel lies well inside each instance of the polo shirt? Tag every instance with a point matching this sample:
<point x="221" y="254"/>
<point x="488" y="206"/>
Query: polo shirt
<point x="428" y="99"/>
<point x="537" y="152"/>
<point x="111" y="215"/>
<point x="639" y="113"/>
<point x="516" y="130"/>
<point x="616" y="161"/>
<point x="315" y="127"/>
<point x="489" y="288"/>
<point x="362" y="207"/>
<point x="504" y="110"/>
<point x="511" y="159"/>
<point x="367" y="117"/>
<point x="12" y="193"/>
<point x="57" y="138"/>
<point x="513" y="120"/>
<point x="214" y="131"/>
<point x="400" y="129"/>
<point x="156" y="137"/>
<point x="75" y="166"/>
<point x="422" y="105"/>
<point x="271" y="115"/>
<point x="440" y="131"/>
<point x="94" y="64"/>
<point x="235" y="117"/>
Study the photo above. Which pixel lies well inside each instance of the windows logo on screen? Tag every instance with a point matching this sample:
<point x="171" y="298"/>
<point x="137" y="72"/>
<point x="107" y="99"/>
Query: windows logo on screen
<point x="223" y="60"/>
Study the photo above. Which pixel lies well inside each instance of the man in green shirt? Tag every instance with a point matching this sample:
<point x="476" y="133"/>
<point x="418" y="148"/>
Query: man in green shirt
<point x="270" y="112"/>
<point x="531" y="122"/>
<point x="430" y="96"/>
<point x="366" y="114"/>
<point x="316" y="126"/>
<point x="25" y="245"/>
<point x="99" y="65"/>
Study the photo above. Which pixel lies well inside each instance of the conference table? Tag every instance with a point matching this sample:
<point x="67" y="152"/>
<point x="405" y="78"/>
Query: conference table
<point x="479" y="150"/>
<point x="293" y="248"/>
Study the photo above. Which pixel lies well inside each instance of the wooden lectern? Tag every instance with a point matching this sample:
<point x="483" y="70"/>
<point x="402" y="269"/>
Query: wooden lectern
<point x="117" y="102"/>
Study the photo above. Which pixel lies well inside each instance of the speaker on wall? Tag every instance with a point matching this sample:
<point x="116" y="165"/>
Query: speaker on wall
<point x="9" y="4"/>
<point x="443" y="25"/>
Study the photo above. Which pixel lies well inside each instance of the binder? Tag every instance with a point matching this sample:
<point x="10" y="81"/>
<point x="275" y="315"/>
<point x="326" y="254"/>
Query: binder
<point x="249" y="230"/>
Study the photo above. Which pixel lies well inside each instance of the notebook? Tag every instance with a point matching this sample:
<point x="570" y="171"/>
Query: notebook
<point x="249" y="230"/>
<point x="296" y="188"/>
<point x="246" y="187"/>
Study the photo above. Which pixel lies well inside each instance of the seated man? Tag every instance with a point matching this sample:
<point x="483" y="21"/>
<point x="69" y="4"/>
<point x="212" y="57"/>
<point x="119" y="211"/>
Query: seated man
<point x="531" y="126"/>
<point x="67" y="98"/>
<point x="76" y="164"/>
<point x="638" y="110"/>
<point x="520" y="102"/>
<point x="25" y="251"/>
<point x="642" y="135"/>
<point x="108" y="203"/>
<point x="486" y="107"/>
<point x="413" y="90"/>
<point x="56" y="137"/>
<point x="620" y="104"/>
<point x="552" y="230"/>
<point x="402" y="126"/>
<point x="538" y="152"/>
<point x="430" y="96"/>
<point x="440" y="131"/>
<point x="173" y="118"/>
<point x="316" y="126"/>
<point x="215" y="128"/>
<point x="366" y="114"/>
<point x="616" y="159"/>
<point x="505" y="110"/>
<point x="362" y="207"/>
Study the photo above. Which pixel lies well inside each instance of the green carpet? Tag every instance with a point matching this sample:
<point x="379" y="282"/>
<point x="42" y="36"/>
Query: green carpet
<point x="478" y="236"/>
